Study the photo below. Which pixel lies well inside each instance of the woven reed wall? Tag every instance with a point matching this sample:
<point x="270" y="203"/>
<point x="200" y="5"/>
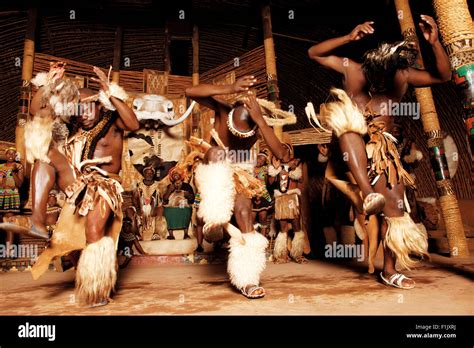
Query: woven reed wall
<point x="132" y="81"/>
<point x="12" y="35"/>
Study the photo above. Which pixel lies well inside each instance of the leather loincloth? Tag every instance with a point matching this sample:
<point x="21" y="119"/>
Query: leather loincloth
<point x="384" y="158"/>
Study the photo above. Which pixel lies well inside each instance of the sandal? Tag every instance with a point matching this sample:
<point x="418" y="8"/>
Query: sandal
<point x="396" y="279"/>
<point x="374" y="203"/>
<point x="99" y="304"/>
<point x="251" y="289"/>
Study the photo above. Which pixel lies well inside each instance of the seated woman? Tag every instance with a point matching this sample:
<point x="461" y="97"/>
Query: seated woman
<point x="178" y="195"/>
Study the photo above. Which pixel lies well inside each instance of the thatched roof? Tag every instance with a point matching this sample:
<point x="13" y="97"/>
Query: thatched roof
<point x="227" y="28"/>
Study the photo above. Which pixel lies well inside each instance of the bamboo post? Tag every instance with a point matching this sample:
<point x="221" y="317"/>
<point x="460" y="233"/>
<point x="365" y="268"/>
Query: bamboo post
<point x="196" y="112"/>
<point x="429" y="118"/>
<point x="25" y="89"/>
<point x="274" y="96"/>
<point x="270" y="62"/>
<point x="117" y="54"/>
<point x="457" y="31"/>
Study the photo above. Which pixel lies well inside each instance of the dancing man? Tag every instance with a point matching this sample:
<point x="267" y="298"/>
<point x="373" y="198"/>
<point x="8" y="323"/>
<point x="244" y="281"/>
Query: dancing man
<point x="373" y="86"/>
<point x="86" y="169"/>
<point x="227" y="190"/>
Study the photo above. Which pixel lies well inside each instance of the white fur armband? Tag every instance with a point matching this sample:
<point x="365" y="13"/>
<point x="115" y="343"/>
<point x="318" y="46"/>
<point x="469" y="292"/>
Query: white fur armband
<point x="114" y="91"/>
<point x="272" y="171"/>
<point x="41" y="79"/>
<point x="296" y="174"/>
<point x="413" y="156"/>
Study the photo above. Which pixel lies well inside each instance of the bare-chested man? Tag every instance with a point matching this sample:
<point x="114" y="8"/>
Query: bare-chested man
<point x="86" y="168"/>
<point x="236" y="128"/>
<point x="380" y="81"/>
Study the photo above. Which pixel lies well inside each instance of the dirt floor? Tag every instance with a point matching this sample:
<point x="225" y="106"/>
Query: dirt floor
<point x="444" y="286"/>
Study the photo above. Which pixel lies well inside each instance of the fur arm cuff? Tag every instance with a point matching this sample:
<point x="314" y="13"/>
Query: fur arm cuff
<point x="296" y="174"/>
<point x="41" y="79"/>
<point x="114" y="91"/>
<point x="413" y="157"/>
<point x="272" y="171"/>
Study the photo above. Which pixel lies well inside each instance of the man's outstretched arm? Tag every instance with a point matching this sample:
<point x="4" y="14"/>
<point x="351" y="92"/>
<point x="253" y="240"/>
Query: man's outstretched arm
<point x="204" y="93"/>
<point x="321" y="52"/>
<point x="421" y="78"/>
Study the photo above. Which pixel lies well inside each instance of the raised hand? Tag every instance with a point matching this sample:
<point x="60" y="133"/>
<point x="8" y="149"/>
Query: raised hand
<point x="254" y="108"/>
<point x="56" y="71"/>
<point x="361" y="31"/>
<point x="102" y="79"/>
<point x="244" y="83"/>
<point x="429" y="29"/>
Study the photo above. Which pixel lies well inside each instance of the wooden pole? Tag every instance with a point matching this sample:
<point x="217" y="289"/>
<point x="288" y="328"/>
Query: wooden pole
<point x="274" y="96"/>
<point x="167" y="50"/>
<point x="25" y="90"/>
<point x="270" y="62"/>
<point x="429" y="118"/>
<point x="117" y="54"/>
<point x="195" y="121"/>
<point x="457" y="31"/>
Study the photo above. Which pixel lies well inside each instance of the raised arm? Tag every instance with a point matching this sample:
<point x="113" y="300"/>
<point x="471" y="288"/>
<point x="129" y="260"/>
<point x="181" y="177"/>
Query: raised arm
<point x="204" y="93"/>
<point x="321" y="52"/>
<point x="127" y="118"/>
<point x="276" y="147"/>
<point x="421" y="78"/>
<point x="56" y="71"/>
<point x="35" y="104"/>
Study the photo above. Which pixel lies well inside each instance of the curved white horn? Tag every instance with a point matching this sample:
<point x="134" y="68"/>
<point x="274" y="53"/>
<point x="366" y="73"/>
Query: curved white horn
<point x="181" y="119"/>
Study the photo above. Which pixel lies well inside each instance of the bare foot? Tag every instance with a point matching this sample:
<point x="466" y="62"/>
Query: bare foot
<point x="301" y="259"/>
<point x="279" y="261"/>
<point x="38" y="226"/>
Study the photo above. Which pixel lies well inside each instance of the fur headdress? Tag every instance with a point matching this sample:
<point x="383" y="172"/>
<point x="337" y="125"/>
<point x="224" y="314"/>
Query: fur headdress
<point x="61" y="94"/>
<point x="381" y="64"/>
